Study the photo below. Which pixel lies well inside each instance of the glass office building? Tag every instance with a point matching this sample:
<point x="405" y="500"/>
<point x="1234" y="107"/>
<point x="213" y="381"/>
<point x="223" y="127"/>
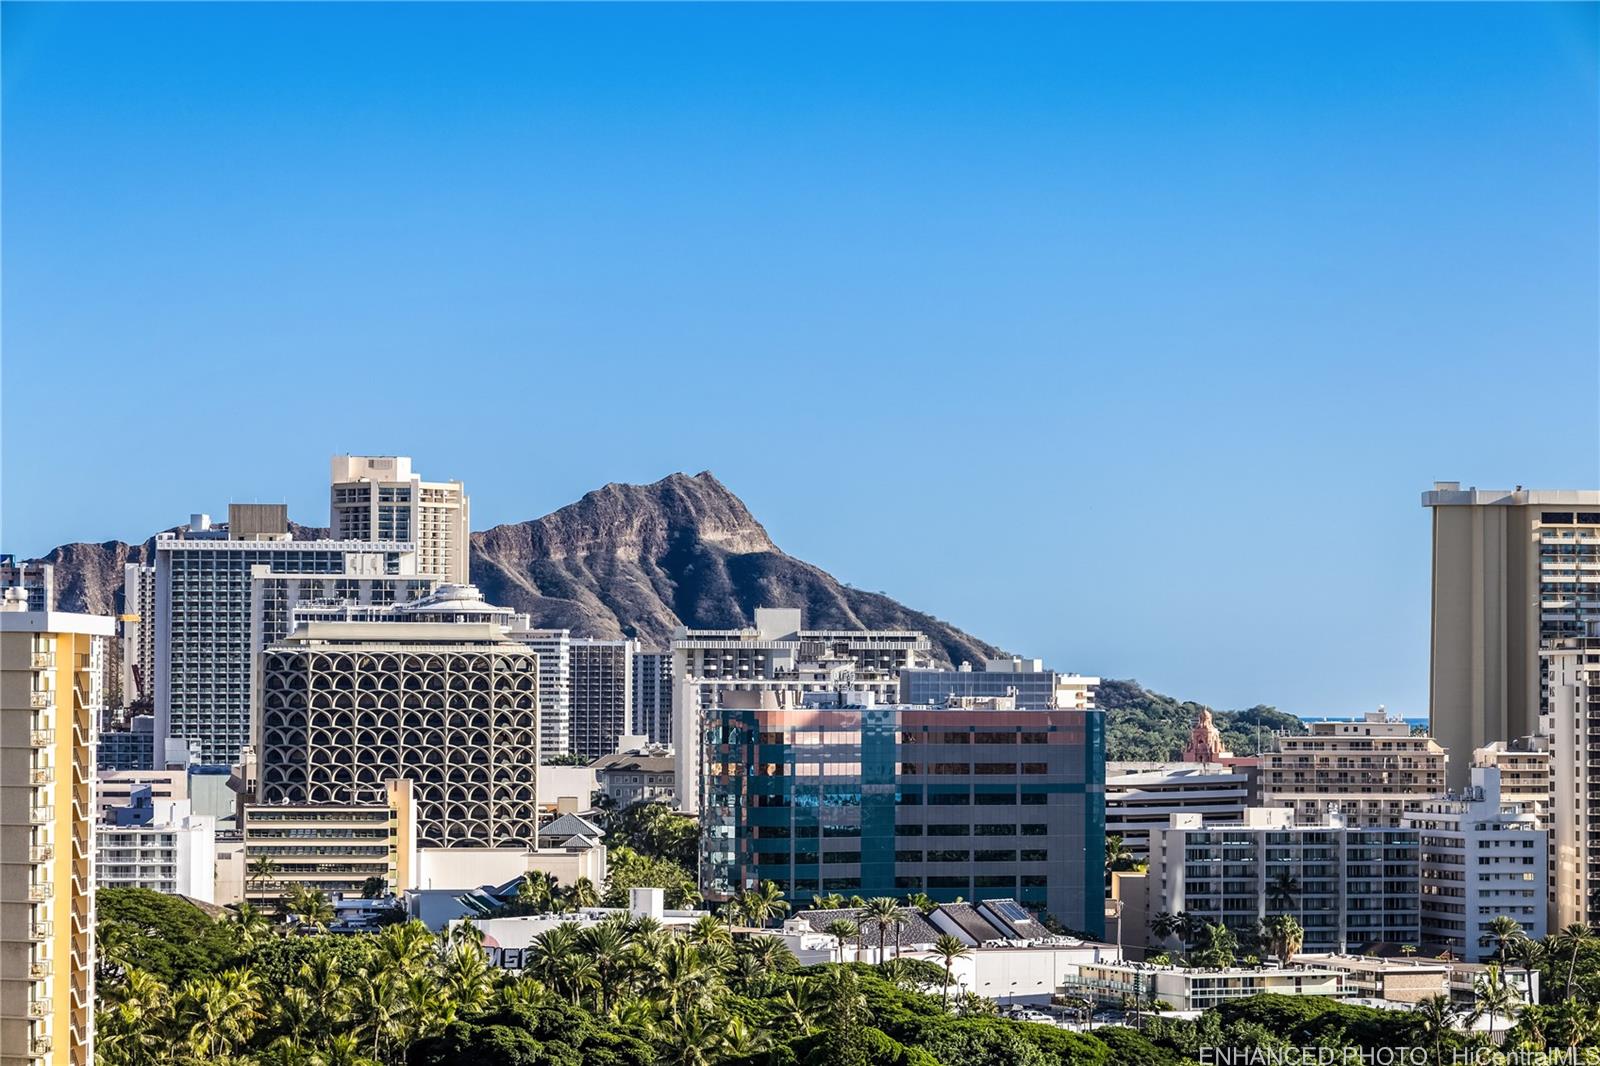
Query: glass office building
<point x="833" y="793"/>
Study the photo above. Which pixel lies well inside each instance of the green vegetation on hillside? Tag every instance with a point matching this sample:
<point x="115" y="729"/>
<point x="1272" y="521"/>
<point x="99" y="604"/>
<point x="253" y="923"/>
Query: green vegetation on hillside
<point x="1145" y="726"/>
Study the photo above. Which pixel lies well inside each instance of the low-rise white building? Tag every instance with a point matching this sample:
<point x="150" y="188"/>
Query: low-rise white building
<point x="1198" y="988"/>
<point x="158" y="845"/>
<point x="1480" y="859"/>
<point x="1369" y="977"/>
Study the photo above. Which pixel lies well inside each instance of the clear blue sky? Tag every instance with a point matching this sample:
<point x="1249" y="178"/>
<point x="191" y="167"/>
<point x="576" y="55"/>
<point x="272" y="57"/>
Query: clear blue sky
<point x="1123" y="336"/>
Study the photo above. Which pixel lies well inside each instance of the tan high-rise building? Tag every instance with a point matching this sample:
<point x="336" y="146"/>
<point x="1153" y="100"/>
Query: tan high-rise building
<point x="1513" y="571"/>
<point x="377" y="497"/>
<point x="1572" y="729"/>
<point x="1370" y="771"/>
<point x="51" y="674"/>
<point x="1524" y="766"/>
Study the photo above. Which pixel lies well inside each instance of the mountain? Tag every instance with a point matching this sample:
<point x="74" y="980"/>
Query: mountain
<point x="1145" y="726"/>
<point x="625" y="560"/>
<point x="636" y="560"/>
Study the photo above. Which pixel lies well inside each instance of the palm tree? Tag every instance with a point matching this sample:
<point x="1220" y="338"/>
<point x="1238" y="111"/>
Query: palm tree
<point x="948" y="949"/>
<point x="799" y="1005"/>
<point x="764" y="902"/>
<point x="466" y="978"/>
<point x="1436" y="1016"/>
<point x="260" y="874"/>
<point x="1166" y="925"/>
<point x="1285" y="935"/>
<point x="1502" y="931"/>
<point x="250" y="926"/>
<point x="607" y="946"/>
<point x="1282" y="890"/>
<point x="1408" y="950"/>
<point x="842" y="929"/>
<point x="1118" y="857"/>
<point x="129" y="1022"/>
<point x="1219" y="946"/>
<point x="1494" y="997"/>
<point x="310" y="907"/>
<point x="882" y="910"/>
<point x="218" y="1014"/>
<point x="922" y="902"/>
<point x="831" y="902"/>
<point x="1531" y="955"/>
<point x="1575" y="1023"/>
<point x="770" y="955"/>
<point x="1573" y="941"/>
<point x="706" y="930"/>
<point x="584" y="894"/>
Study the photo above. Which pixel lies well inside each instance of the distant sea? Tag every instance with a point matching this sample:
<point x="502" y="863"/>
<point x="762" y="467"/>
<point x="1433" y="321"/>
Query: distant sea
<point x="1309" y="718"/>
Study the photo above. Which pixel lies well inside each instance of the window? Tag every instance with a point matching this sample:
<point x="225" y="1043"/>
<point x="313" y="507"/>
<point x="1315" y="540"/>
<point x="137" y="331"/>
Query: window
<point x="993" y="830"/>
<point x="959" y="799"/>
<point x="949" y="856"/>
<point x="1035" y="829"/>
<point x="994" y="856"/>
<point x="996" y="799"/>
<point x="947" y="830"/>
<point x="1035" y="855"/>
<point x="956" y="738"/>
<point x="908" y="856"/>
<point x="994" y="738"/>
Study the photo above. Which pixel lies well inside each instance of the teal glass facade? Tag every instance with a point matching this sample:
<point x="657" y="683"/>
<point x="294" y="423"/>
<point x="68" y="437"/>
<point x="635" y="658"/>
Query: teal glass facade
<point x="890" y="800"/>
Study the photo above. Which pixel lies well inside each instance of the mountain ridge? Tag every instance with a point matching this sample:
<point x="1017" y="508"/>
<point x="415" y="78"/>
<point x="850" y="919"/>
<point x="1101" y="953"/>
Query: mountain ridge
<point x="622" y="561"/>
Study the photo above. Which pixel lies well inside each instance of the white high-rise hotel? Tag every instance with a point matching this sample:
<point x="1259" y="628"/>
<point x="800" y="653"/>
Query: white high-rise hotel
<point x="378" y="498"/>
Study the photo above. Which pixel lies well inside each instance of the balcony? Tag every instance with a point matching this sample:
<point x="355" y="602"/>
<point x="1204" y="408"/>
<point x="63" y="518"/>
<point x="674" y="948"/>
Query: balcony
<point x="38" y="1008"/>
<point x="38" y="971"/>
<point x="42" y="815"/>
<point x="42" y="776"/>
<point x="39" y="1045"/>
<point x="40" y="700"/>
<point x="40" y="891"/>
<point x="40" y="931"/>
<point x="42" y="738"/>
<point x="41" y="853"/>
<point x="42" y="660"/>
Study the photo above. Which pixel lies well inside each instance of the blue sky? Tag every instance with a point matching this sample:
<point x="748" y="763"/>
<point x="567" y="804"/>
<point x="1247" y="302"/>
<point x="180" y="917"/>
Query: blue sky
<point x="1122" y="336"/>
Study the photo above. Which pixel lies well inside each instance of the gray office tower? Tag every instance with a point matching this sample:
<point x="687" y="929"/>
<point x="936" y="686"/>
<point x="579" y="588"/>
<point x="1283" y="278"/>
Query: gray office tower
<point x="205" y="577"/>
<point x="600" y="693"/>
<point x="652" y="695"/>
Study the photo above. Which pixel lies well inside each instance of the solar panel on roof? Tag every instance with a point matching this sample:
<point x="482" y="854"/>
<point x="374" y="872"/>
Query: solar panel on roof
<point x="1010" y="910"/>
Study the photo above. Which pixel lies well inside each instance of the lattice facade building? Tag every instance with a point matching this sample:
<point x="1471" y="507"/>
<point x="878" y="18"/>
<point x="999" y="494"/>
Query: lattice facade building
<point x="345" y="706"/>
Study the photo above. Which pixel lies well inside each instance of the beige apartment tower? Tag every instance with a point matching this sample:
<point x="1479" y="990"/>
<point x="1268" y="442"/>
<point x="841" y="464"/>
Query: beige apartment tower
<point x="377" y="497"/>
<point x="1370" y="771"/>
<point x="1513" y="572"/>
<point x="51" y="672"/>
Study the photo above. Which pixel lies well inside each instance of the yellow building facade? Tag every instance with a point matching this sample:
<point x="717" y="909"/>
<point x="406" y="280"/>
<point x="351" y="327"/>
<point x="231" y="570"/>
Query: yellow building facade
<point x="51" y="669"/>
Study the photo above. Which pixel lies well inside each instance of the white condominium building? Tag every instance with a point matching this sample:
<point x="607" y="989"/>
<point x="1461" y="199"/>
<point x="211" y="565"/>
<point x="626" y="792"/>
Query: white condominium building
<point x="1524" y="766"/>
<point x="1370" y="771"/>
<point x="554" y="648"/>
<point x="205" y="592"/>
<point x="1514" y="572"/>
<point x="378" y="498"/>
<point x="1572" y="728"/>
<point x="157" y="844"/>
<point x="1140" y="798"/>
<point x="51" y="671"/>
<point x="1349" y="887"/>
<point x="1480" y="859"/>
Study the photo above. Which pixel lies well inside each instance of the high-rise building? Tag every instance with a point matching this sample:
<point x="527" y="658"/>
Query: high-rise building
<point x="51" y="674"/>
<point x="777" y="654"/>
<point x="554" y="647"/>
<point x="452" y="706"/>
<point x="1524" y="765"/>
<point x="601" y="693"/>
<point x="157" y="844"/>
<point x="205" y="590"/>
<point x="37" y="582"/>
<point x="378" y="498"/>
<point x="1142" y="798"/>
<point x="1514" y="572"/>
<point x="1370" y="771"/>
<point x="1025" y="680"/>
<point x="830" y="792"/>
<point x="1572" y="727"/>
<point x="1480" y="859"/>
<point x="652" y="695"/>
<point x="1349" y="887"/>
<point x="139" y="632"/>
